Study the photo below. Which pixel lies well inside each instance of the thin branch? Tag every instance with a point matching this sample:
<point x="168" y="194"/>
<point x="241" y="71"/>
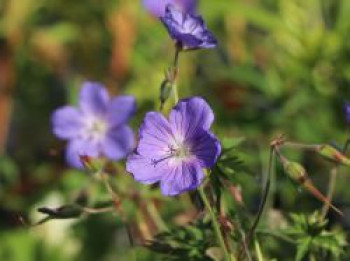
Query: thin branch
<point x="215" y="224"/>
<point x="241" y="253"/>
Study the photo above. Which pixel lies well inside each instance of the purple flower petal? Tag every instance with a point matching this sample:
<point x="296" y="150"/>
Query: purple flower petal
<point x="66" y="122"/>
<point x="175" y="152"/>
<point x="79" y="147"/>
<point x="206" y="148"/>
<point x="120" y="110"/>
<point x="186" y="176"/>
<point x="118" y="143"/>
<point x="93" y="98"/>
<point x="158" y="7"/>
<point x="190" y="116"/>
<point x="154" y="135"/>
<point x="142" y="169"/>
<point x="187" y="29"/>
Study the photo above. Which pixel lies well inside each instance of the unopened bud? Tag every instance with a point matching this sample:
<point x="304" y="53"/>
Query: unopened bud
<point x="165" y="92"/>
<point x="331" y="153"/>
<point x="295" y="171"/>
<point x="64" y="212"/>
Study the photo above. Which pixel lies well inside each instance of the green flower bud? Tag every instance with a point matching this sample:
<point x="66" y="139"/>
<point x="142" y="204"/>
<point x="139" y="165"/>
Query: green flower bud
<point x="333" y="154"/>
<point x="295" y="171"/>
<point x="63" y="212"/>
<point x="165" y="91"/>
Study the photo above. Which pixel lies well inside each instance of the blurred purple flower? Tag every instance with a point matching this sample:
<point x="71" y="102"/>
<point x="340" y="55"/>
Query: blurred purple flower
<point x="174" y="152"/>
<point x="158" y="7"/>
<point x="188" y="30"/>
<point x="97" y="127"/>
<point x="347" y="112"/>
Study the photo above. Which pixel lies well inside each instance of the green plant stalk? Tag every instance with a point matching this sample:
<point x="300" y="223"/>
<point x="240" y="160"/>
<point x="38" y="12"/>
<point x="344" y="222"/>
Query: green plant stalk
<point x="175" y="73"/>
<point x="261" y="207"/>
<point x="119" y="211"/>
<point x="259" y="254"/>
<point x="216" y="226"/>
<point x="176" y="93"/>
<point x="294" y="145"/>
<point x="153" y="212"/>
<point x="330" y="192"/>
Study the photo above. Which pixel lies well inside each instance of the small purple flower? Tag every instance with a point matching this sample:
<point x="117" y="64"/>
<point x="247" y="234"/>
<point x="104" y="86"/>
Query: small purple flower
<point x="347" y="112"/>
<point x="175" y="151"/>
<point x="188" y="30"/>
<point x="158" y="7"/>
<point x="97" y="127"/>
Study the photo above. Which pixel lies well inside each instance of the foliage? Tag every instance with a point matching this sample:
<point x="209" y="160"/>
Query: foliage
<point x="313" y="238"/>
<point x="280" y="67"/>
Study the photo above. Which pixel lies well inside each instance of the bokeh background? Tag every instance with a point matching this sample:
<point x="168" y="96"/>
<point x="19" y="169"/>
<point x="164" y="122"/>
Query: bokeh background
<point x="280" y="67"/>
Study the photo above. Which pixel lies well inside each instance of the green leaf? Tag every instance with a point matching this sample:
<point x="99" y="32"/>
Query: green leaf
<point x="303" y="247"/>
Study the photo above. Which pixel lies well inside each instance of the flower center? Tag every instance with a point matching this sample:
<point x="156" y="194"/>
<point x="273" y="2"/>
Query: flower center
<point x="95" y="129"/>
<point x="180" y="152"/>
<point x="177" y="152"/>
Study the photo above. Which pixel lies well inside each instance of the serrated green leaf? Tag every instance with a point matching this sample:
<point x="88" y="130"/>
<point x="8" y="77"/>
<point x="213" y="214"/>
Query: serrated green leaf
<point x="303" y="248"/>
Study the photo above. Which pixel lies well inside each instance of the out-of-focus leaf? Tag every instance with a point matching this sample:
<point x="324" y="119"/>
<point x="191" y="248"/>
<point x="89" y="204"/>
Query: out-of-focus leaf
<point x="8" y="171"/>
<point x="190" y="242"/>
<point x="303" y="247"/>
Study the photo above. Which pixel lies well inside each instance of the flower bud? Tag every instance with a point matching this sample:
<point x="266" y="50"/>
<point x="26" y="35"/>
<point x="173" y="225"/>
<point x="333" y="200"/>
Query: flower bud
<point x="63" y="212"/>
<point x="331" y="153"/>
<point x="165" y="92"/>
<point x="295" y="171"/>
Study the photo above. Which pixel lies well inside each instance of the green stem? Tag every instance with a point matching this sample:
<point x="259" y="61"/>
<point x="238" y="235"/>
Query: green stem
<point x="262" y="205"/>
<point x="176" y="93"/>
<point x="275" y="234"/>
<point x="119" y="211"/>
<point x="294" y="145"/>
<point x="153" y="212"/>
<point x="259" y="254"/>
<point x="330" y="192"/>
<point x="215" y="223"/>
<point x="175" y="72"/>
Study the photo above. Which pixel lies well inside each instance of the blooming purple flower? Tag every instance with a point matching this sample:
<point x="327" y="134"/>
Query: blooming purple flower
<point x="158" y="7"/>
<point x="174" y="151"/>
<point x="97" y="127"/>
<point x="188" y="30"/>
<point x="347" y="112"/>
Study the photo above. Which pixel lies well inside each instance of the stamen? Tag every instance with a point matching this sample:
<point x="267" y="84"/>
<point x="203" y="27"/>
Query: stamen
<point x="154" y="162"/>
<point x="172" y="153"/>
<point x="180" y="153"/>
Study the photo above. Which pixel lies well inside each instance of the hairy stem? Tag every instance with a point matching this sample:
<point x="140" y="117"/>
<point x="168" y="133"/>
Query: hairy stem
<point x="261" y="206"/>
<point x="119" y="210"/>
<point x="215" y="223"/>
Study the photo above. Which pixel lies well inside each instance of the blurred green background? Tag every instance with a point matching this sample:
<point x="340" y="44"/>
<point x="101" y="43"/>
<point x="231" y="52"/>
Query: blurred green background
<point x="280" y="67"/>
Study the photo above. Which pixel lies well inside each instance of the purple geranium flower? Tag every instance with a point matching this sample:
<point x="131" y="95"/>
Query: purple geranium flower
<point x="175" y="151"/>
<point x="97" y="127"/>
<point x="158" y="7"/>
<point x="187" y="29"/>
